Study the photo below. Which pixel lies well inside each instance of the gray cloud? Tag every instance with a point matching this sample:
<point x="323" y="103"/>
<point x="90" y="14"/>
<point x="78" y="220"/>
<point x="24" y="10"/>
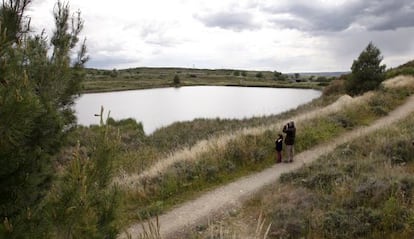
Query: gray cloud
<point x="392" y="17"/>
<point x="236" y="21"/>
<point x="109" y="62"/>
<point x="346" y="46"/>
<point x="156" y="34"/>
<point x="372" y="15"/>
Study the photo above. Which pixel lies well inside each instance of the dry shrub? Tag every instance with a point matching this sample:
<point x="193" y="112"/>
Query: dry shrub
<point x="336" y="87"/>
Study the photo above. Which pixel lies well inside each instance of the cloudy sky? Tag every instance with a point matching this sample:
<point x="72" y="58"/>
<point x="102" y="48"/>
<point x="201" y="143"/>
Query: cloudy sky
<point x="282" y="35"/>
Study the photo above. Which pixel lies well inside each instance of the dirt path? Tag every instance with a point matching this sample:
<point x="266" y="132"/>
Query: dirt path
<point x="233" y="194"/>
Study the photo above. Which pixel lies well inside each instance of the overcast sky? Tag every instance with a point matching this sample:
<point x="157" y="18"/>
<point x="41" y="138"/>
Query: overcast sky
<point x="282" y="35"/>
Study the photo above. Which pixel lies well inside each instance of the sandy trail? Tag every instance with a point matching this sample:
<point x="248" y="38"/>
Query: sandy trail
<point x="233" y="194"/>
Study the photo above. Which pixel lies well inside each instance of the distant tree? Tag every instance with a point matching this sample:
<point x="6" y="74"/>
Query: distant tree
<point x="280" y="76"/>
<point x="296" y="75"/>
<point x="367" y="71"/>
<point x="259" y="75"/>
<point x="277" y="74"/>
<point x="244" y="74"/>
<point x="236" y="73"/>
<point x="176" y="80"/>
<point x="114" y="73"/>
<point x="322" y="79"/>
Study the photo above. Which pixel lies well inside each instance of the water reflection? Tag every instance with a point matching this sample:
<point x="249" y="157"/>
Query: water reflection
<point x="160" y="107"/>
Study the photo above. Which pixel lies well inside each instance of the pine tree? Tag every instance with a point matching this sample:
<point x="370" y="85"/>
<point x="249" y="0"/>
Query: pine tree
<point x="367" y="71"/>
<point x="36" y="95"/>
<point x="84" y="203"/>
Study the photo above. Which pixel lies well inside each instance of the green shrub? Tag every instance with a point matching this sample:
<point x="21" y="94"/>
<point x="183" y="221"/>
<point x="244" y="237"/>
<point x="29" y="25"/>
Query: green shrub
<point x="394" y="215"/>
<point x="399" y="151"/>
<point x="358" y="223"/>
<point x="176" y="80"/>
<point x="367" y="73"/>
<point x="259" y="75"/>
<point x="83" y="203"/>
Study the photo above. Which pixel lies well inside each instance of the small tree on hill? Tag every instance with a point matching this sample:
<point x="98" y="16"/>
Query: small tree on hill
<point x="367" y="71"/>
<point x="259" y="75"/>
<point x="176" y="80"/>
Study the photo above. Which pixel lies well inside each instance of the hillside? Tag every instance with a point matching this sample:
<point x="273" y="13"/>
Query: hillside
<point x="404" y="69"/>
<point x="222" y="198"/>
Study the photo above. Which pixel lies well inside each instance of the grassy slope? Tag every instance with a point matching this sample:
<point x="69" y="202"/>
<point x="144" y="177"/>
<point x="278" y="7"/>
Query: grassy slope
<point x="363" y="189"/>
<point x="242" y="156"/>
<point x="404" y="69"/>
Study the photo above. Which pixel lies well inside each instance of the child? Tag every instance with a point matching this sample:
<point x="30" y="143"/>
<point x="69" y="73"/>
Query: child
<point x="278" y="147"/>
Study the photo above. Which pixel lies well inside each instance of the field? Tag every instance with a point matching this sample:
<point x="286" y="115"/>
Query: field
<point x="144" y="78"/>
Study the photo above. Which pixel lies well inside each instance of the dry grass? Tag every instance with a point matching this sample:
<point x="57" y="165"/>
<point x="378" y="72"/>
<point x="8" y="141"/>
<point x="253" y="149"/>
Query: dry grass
<point x="399" y="81"/>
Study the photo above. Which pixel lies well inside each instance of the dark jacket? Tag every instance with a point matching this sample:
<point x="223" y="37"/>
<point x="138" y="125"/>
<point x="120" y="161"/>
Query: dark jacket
<point x="279" y="144"/>
<point x="290" y="135"/>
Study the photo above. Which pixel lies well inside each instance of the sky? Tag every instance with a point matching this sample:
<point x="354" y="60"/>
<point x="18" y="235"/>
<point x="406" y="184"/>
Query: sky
<point x="280" y="35"/>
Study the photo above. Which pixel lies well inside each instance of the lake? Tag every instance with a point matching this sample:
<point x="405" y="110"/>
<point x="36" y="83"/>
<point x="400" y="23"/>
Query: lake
<point x="156" y="108"/>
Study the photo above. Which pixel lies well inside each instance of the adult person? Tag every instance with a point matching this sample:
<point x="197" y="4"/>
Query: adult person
<point x="290" y="131"/>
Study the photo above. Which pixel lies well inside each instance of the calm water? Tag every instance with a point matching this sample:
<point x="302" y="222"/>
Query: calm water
<point x="161" y="107"/>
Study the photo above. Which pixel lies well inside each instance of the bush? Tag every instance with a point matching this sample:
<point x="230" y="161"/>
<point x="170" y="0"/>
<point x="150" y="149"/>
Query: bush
<point x="358" y="223"/>
<point x="176" y="80"/>
<point x="259" y="75"/>
<point x="399" y="151"/>
<point x="336" y="87"/>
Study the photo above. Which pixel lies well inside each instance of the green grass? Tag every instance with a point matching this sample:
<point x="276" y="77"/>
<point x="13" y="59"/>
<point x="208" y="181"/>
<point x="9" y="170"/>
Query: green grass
<point x="405" y="69"/>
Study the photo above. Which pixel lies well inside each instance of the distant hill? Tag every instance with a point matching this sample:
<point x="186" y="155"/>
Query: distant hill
<point x="99" y="80"/>
<point x="404" y="69"/>
<point x="408" y="64"/>
<point x="324" y="74"/>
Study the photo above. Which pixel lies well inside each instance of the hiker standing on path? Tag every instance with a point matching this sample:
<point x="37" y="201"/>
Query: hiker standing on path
<point x="279" y="147"/>
<point x="290" y="131"/>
